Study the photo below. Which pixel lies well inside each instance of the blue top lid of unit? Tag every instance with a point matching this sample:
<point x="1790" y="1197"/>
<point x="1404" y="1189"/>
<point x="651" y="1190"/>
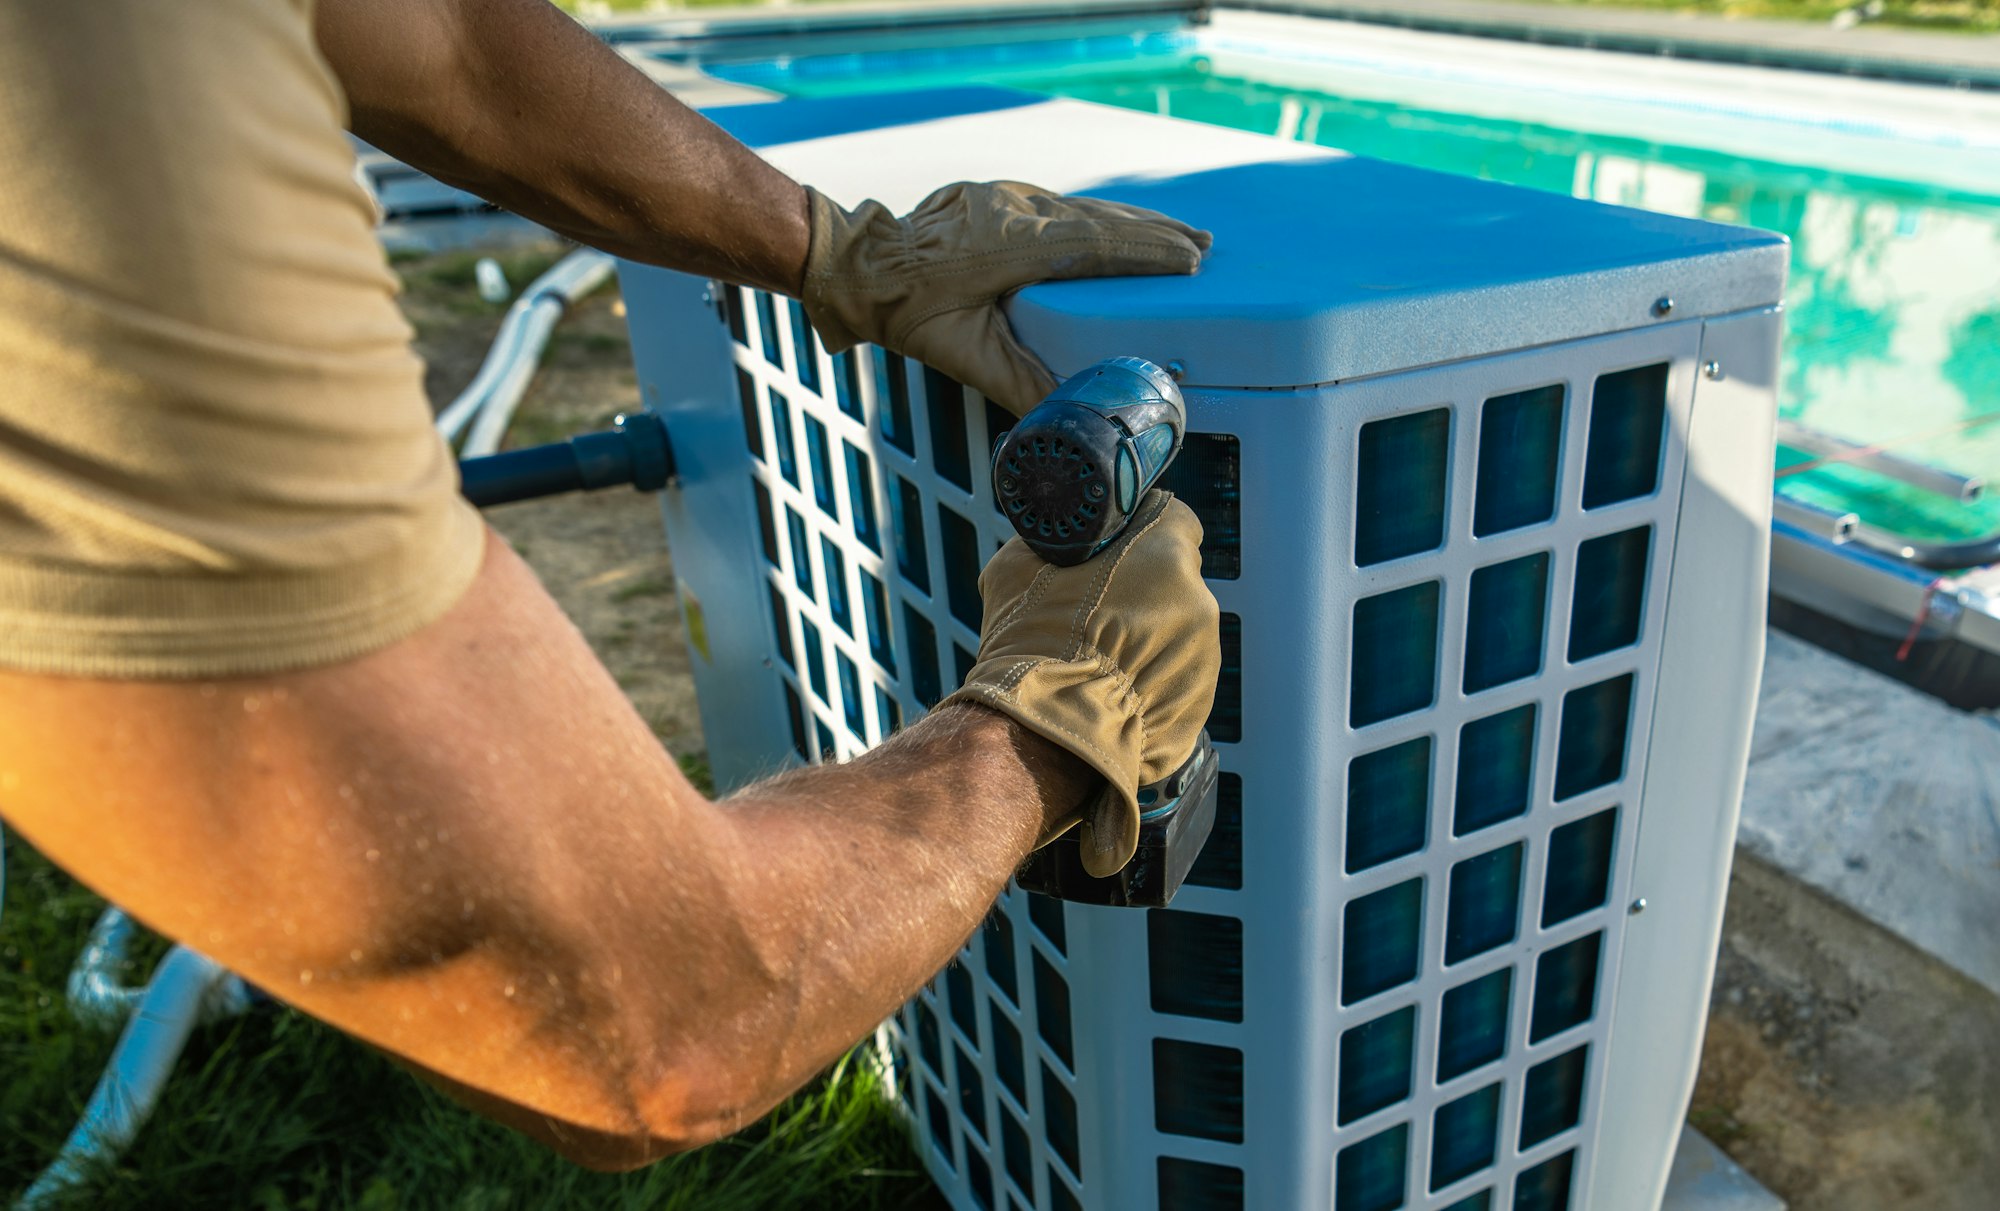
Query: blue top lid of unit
<point x="1326" y="266"/>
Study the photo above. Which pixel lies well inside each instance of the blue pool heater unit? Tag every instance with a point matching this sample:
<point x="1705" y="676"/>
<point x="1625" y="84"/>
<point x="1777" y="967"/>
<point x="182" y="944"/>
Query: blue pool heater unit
<point x="1485" y="475"/>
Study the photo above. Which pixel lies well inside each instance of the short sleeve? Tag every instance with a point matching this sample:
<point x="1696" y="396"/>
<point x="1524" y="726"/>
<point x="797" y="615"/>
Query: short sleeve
<point x="216" y="456"/>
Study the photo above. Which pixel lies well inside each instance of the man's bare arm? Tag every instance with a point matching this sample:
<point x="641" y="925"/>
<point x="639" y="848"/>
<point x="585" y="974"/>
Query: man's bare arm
<point x="469" y="850"/>
<point x="517" y="103"/>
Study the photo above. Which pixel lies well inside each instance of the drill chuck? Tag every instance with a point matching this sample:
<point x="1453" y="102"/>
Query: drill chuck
<point x="1070" y="475"/>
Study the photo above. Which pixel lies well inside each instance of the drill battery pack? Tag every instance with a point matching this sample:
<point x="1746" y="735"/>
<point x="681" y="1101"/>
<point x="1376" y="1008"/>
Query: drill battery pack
<point x="1175" y="816"/>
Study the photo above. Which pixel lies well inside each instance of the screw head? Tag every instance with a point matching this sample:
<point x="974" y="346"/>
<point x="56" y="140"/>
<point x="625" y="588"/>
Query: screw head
<point x="1713" y="371"/>
<point x="1009" y="484"/>
<point x="1096" y="491"/>
<point x="1176" y="369"/>
<point x="1663" y="305"/>
<point x="1638" y="906"/>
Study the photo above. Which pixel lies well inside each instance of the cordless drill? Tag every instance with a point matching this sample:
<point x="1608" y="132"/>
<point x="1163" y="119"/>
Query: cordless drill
<point x="1069" y="476"/>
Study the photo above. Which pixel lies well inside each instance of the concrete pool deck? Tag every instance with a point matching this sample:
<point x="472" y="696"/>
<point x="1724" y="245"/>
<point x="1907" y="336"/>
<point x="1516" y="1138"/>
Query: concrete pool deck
<point x="1953" y="60"/>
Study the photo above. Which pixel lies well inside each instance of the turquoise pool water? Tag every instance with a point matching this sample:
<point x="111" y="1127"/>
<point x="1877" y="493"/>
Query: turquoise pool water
<point x="1893" y="325"/>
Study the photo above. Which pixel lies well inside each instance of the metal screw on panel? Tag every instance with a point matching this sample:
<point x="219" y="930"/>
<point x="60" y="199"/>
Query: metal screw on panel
<point x="1097" y="491"/>
<point x="1177" y="369"/>
<point x="1638" y="906"/>
<point x="708" y="295"/>
<point x="1713" y="371"/>
<point x="1662" y="305"/>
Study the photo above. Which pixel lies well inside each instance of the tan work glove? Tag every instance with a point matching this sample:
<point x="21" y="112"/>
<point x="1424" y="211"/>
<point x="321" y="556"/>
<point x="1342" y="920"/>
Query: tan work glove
<point x="1114" y="659"/>
<point x="929" y="285"/>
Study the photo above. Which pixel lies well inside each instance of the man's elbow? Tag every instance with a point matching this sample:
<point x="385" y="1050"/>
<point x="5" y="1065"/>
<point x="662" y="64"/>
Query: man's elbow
<point x="685" y="1111"/>
<point x="621" y="1154"/>
<point x="678" y="1113"/>
<point x="604" y="1152"/>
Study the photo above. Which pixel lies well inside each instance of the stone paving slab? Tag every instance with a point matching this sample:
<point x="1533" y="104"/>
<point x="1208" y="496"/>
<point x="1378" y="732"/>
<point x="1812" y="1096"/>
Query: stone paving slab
<point x="1883" y="798"/>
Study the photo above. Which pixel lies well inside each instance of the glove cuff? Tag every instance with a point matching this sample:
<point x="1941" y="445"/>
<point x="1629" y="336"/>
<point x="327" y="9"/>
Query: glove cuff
<point x="829" y="231"/>
<point x="1089" y="710"/>
<point x="832" y="234"/>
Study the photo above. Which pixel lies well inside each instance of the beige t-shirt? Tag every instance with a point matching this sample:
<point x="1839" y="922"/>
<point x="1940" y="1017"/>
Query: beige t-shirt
<point x="215" y="452"/>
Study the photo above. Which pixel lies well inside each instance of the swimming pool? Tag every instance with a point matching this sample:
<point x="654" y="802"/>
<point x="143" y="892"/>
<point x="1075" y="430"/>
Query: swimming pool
<point x="1893" y="326"/>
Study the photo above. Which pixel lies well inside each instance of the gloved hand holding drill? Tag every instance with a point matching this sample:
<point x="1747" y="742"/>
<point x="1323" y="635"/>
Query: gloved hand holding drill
<point x="1114" y="659"/>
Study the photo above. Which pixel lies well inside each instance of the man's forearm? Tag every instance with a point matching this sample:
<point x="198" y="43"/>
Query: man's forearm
<point x="469" y="850"/>
<point x="514" y="101"/>
<point x="830" y="894"/>
<point x="871" y="875"/>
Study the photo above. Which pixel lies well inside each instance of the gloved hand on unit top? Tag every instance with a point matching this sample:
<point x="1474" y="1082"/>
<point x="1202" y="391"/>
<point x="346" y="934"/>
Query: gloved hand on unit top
<point x="1114" y="659"/>
<point x="929" y="284"/>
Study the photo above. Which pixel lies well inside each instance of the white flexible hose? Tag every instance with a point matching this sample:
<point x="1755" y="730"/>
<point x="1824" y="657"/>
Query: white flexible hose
<point x="487" y="404"/>
<point x="188" y="988"/>
<point x="496" y="411"/>
<point x="96" y="997"/>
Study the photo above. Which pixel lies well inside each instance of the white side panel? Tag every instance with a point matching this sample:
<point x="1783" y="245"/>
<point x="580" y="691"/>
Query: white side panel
<point x="1694" y="775"/>
<point x="1559" y="1148"/>
<point x="681" y="351"/>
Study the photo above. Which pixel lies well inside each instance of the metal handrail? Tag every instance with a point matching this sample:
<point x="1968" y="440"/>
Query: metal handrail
<point x="1834" y="526"/>
<point x="1827" y="447"/>
<point x="1932" y="556"/>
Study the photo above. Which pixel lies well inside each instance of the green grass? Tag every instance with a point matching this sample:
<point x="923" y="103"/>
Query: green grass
<point x="593" y="343"/>
<point x="275" y="1112"/>
<point x="695" y="766"/>
<point x="1969" y="16"/>
<point x="585" y="7"/>
<point x="1950" y="15"/>
<point x="452" y="279"/>
<point x="534" y="427"/>
<point x="645" y="586"/>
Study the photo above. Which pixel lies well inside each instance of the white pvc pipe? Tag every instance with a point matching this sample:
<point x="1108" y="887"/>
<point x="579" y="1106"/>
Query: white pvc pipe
<point x="451" y="421"/>
<point x="187" y="989"/>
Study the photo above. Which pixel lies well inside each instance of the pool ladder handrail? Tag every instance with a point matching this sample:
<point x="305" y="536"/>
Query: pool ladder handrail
<point x="1964" y="489"/>
<point x="1839" y="528"/>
